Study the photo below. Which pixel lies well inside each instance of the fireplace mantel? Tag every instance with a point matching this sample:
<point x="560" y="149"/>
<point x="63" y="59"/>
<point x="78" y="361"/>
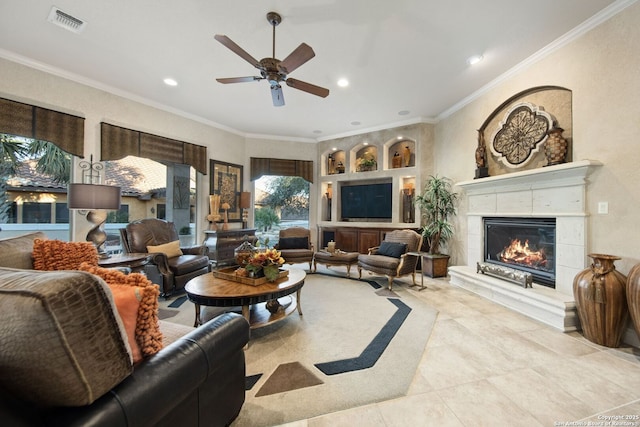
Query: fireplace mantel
<point x="556" y="192"/>
<point x="574" y="173"/>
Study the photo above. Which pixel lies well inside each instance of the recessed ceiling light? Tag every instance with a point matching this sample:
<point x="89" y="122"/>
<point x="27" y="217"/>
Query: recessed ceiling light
<point x="335" y="148"/>
<point x="170" y="82"/>
<point x="403" y="112"/>
<point x="343" y="82"/>
<point x="365" y="143"/>
<point x="355" y="123"/>
<point x="473" y="60"/>
<point x="398" y="138"/>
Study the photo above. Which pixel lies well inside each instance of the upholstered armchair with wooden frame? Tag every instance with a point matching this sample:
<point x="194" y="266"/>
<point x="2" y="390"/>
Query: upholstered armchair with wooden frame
<point x="390" y="258"/>
<point x="174" y="264"/>
<point x="295" y="245"/>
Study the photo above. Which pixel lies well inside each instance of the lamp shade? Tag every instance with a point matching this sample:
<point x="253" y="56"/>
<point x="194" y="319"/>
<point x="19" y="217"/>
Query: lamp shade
<point x="245" y="200"/>
<point x="92" y="196"/>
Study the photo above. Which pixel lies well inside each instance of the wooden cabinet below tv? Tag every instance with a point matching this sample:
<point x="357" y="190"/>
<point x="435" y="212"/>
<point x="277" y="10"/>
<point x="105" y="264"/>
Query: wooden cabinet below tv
<point x="354" y="239"/>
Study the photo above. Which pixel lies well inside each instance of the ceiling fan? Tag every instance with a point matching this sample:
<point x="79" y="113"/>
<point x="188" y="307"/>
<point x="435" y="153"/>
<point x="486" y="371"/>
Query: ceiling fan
<point x="273" y="70"/>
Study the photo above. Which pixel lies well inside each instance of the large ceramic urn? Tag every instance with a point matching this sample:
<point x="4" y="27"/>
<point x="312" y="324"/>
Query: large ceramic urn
<point x="633" y="296"/>
<point x="601" y="300"/>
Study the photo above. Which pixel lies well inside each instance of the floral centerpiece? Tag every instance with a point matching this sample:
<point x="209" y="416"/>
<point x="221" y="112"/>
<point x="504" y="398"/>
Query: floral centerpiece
<point x="266" y="263"/>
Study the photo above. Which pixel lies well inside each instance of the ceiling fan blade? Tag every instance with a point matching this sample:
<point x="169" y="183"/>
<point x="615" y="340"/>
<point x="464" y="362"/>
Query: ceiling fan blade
<point x="299" y="56"/>
<point x="239" y="79"/>
<point x="308" y="87"/>
<point x="277" y="96"/>
<point x="237" y="49"/>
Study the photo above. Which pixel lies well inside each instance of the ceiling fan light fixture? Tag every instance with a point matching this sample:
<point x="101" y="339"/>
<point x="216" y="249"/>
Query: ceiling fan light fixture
<point x="273" y="70"/>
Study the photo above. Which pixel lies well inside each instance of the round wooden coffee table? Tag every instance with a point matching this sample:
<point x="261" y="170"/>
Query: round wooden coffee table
<point x="261" y="305"/>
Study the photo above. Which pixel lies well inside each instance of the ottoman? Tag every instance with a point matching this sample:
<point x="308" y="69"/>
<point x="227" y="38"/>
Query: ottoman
<point x="336" y="258"/>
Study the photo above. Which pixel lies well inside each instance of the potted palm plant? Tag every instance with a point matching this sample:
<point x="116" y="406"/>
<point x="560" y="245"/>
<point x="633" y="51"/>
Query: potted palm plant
<point x="437" y="204"/>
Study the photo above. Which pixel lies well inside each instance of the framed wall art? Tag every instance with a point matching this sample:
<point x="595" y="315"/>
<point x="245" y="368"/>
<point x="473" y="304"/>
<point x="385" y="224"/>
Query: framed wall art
<point x="226" y="181"/>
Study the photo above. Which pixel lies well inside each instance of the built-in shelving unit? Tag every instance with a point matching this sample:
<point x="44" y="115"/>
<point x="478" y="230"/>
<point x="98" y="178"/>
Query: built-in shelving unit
<point x="367" y="163"/>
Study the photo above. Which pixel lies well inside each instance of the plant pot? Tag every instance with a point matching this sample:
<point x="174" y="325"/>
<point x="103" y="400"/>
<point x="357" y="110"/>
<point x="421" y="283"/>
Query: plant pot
<point x="601" y="301"/>
<point x="435" y="265"/>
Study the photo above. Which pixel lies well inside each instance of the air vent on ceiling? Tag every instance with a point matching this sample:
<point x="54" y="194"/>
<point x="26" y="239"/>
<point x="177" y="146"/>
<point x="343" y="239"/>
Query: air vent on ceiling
<point x="66" y="21"/>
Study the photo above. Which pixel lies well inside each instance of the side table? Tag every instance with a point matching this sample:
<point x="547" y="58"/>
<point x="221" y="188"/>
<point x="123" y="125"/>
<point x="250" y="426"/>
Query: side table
<point x="135" y="261"/>
<point x="418" y="254"/>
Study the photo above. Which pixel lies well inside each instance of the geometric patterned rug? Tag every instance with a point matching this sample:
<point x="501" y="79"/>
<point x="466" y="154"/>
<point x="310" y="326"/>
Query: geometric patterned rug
<point x="356" y="343"/>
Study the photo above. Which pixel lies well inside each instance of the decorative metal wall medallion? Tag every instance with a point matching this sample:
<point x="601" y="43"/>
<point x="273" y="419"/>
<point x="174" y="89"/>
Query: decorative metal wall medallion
<point x="521" y="134"/>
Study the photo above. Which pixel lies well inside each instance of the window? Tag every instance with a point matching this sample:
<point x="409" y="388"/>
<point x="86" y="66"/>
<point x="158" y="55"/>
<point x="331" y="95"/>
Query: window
<point x="162" y="211"/>
<point x="62" y="213"/>
<point x="120" y="216"/>
<point x="36" y="213"/>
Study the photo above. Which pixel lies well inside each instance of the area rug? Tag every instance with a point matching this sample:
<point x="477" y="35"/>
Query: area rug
<point x="356" y="343"/>
<point x="345" y="322"/>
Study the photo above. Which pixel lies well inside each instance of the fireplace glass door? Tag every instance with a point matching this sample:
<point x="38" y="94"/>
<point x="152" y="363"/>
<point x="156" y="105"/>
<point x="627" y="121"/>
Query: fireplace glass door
<point x="526" y="244"/>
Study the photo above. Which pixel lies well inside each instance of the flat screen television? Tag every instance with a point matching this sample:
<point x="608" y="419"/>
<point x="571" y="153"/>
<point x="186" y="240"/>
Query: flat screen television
<point x="366" y="202"/>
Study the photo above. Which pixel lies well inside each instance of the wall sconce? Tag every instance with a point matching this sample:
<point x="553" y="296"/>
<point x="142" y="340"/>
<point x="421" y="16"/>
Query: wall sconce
<point x="245" y="204"/>
<point x="95" y="198"/>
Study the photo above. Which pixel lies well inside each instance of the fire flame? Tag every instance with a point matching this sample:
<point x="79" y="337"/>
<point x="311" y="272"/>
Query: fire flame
<point x="518" y="253"/>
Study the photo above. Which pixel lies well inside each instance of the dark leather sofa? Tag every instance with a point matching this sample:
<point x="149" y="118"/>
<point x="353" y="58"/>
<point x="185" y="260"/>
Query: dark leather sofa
<point x="198" y="380"/>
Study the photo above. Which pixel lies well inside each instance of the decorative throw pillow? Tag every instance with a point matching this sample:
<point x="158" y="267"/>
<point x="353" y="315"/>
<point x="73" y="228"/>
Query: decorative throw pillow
<point x="293" y="243"/>
<point x="17" y="252"/>
<point x="147" y="330"/>
<point x="392" y="249"/>
<point x="171" y="249"/>
<point x="61" y="342"/>
<point x="50" y="255"/>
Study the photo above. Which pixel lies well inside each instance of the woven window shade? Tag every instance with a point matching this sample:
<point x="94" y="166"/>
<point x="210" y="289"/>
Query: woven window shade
<point x="64" y="130"/>
<point x="118" y="142"/>
<point x="196" y="155"/>
<point x="281" y="167"/>
<point x="159" y="148"/>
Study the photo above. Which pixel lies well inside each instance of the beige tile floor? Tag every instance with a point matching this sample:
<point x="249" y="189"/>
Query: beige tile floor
<point x="486" y="365"/>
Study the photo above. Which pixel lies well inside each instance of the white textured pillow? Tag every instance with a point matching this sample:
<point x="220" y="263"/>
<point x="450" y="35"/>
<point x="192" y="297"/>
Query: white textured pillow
<point x="171" y="249"/>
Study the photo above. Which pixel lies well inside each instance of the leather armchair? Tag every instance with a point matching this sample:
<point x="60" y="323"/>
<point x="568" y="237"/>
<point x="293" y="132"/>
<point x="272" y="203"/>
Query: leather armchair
<point x="391" y="266"/>
<point x="295" y="245"/>
<point x="175" y="271"/>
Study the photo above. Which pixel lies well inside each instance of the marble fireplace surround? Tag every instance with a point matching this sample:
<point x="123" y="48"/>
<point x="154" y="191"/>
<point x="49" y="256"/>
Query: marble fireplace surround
<point x="550" y="192"/>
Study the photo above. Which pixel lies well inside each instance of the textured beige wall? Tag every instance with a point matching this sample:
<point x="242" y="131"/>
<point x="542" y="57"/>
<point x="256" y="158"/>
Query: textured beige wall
<point x="21" y="83"/>
<point x="601" y="69"/>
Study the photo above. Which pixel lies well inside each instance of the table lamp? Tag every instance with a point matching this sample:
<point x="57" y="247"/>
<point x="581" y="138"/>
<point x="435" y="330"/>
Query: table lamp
<point x="245" y="204"/>
<point x="97" y="199"/>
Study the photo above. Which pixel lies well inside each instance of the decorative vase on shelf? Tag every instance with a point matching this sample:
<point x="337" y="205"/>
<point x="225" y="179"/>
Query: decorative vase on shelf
<point x="555" y="147"/>
<point x="633" y="296"/>
<point x="396" y="161"/>
<point x="406" y="155"/>
<point x="601" y="301"/>
<point x="340" y="168"/>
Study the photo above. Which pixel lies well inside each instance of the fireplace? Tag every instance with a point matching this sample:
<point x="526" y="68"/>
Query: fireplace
<point x="557" y="192"/>
<point x="522" y="243"/>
